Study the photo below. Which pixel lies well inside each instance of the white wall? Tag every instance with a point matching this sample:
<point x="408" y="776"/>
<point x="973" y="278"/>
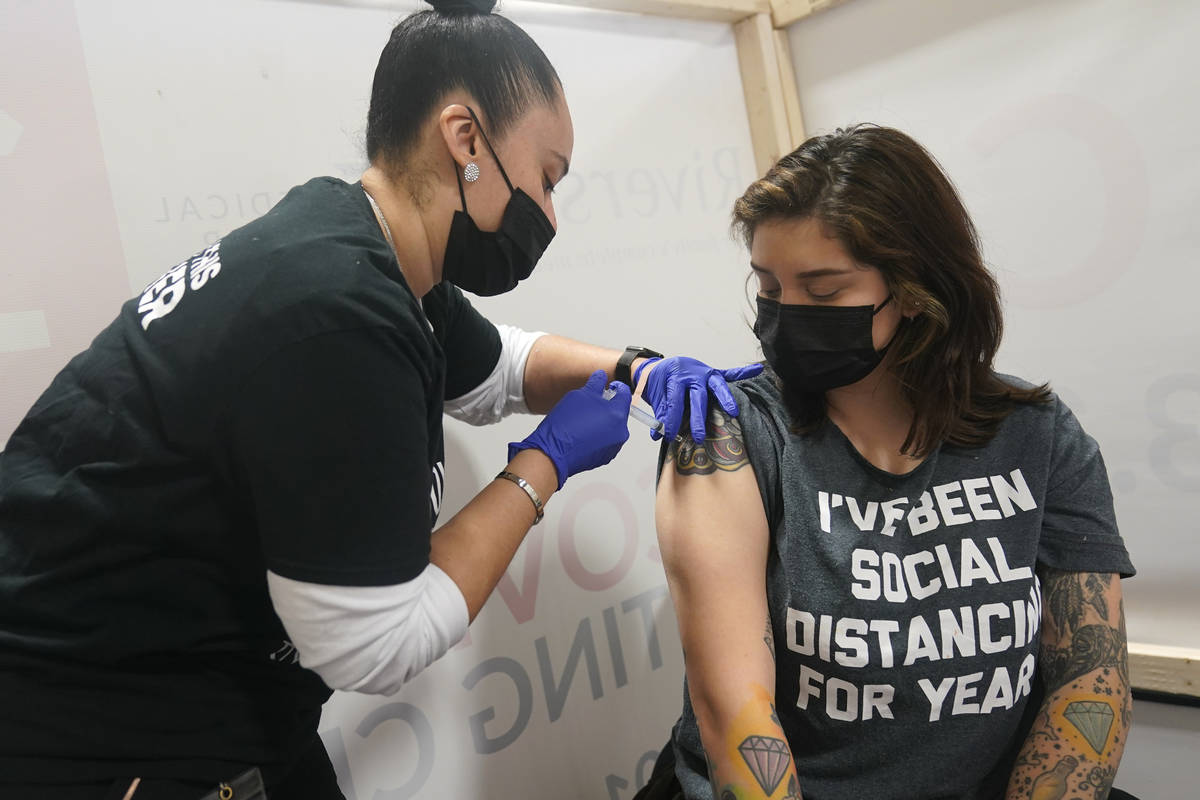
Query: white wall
<point x="149" y="127"/>
<point x="1069" y="126"/>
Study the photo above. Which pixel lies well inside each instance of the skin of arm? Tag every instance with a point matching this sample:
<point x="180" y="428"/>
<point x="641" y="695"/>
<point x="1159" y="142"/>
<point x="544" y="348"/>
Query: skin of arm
<point x="476" y="546"/>
<point x="557" y="365"/>
<point x="1075" y="745"/>
<point x="713" y="535"/>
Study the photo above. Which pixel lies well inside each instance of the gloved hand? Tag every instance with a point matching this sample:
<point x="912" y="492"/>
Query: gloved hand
<point x="680" y="381"/>
<point x="583" y="431"/>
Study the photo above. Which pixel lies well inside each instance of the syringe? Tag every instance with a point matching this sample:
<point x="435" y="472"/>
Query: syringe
<point x="642" y="416"/>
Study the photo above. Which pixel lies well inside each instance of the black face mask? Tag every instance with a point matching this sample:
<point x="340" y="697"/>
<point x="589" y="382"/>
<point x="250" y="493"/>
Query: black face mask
<point x="489" y="263"/>
<point x="817" y="348"/>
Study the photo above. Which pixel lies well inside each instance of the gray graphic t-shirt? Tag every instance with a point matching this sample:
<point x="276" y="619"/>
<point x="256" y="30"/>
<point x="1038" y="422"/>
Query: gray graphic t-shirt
<point x="906" y="609"/>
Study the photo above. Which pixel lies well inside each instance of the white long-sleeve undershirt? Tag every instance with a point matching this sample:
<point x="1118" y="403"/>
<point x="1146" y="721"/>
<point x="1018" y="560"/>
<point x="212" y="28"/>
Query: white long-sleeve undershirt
<point x="371" y="639"/>
<point x="503" y="392"/>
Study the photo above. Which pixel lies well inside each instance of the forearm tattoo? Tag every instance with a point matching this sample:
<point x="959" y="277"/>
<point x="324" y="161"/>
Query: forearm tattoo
<point x="1090" y="646"/>
<point x="1076" y="742"/>
<point x="723" y="449"/>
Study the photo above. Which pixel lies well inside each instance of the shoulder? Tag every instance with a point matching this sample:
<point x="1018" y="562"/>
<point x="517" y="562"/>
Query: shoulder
<point x="765" y="424"/>
<point x="1051" y="417"/>
<point x="319" y="258"/>
<point x="446" y="306"/>
<point x="760" y="403"/>
<point x="1049" y="432"/>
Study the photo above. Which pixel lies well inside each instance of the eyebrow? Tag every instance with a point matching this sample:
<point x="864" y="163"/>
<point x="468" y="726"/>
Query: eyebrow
<point x="812" y="273"/>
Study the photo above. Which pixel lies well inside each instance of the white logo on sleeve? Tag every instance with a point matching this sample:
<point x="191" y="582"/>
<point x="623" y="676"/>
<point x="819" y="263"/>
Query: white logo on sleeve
<point x="437" y="489"/>
<point x="286" y="653"/>
<point x="161" y="297"/>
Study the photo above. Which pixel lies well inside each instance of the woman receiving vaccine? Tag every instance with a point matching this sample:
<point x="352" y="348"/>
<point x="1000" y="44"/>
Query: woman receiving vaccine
<point x="897" y="572"/>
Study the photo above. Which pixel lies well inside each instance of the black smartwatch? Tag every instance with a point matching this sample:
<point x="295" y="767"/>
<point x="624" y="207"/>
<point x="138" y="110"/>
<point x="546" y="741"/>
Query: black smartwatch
<point x="625" y="362"/>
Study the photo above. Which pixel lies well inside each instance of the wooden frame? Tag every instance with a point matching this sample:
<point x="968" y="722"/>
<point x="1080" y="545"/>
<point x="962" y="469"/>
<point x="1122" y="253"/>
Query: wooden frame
<point x="768" y="78"/>
<point x="1165" y="670"/>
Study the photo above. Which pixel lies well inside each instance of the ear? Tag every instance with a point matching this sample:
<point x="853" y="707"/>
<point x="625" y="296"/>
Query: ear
<point x="460" y="133"/>
<point x="911" y="308"/>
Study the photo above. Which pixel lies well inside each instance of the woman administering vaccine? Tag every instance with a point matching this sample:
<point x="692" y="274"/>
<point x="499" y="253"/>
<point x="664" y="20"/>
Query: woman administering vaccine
<point x="897" y="572"/>
<point x="229" y="505"/>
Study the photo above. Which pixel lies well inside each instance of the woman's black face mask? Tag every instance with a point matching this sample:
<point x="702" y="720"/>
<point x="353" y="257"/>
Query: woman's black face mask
<point x="817" y="348"/>
<point x="489" y="263"/>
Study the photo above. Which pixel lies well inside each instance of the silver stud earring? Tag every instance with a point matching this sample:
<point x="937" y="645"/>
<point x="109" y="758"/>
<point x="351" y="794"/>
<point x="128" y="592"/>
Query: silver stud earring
<point x="471" y="172"/>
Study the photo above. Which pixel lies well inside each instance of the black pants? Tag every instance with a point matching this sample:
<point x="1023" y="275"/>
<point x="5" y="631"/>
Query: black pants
<point x="312" y="778"/>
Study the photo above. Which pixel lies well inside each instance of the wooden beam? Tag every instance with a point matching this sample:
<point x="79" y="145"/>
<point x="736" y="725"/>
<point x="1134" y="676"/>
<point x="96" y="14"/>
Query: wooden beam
<point x="771" y="101"/>
<point x="791" y="92"/>
<point x="714" y="10"/>
<point x="785" y="12"/>
<point x="1170" y="670"/>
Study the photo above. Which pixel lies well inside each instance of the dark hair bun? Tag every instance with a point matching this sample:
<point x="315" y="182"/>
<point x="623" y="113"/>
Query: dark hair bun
<point x="463" y="6"/>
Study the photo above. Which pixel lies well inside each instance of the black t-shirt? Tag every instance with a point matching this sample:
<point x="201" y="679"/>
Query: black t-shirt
<point x="272" y="403"/>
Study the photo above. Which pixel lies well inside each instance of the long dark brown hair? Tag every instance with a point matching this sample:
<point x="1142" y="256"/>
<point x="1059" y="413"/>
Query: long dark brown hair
<point x="892" y="207"/>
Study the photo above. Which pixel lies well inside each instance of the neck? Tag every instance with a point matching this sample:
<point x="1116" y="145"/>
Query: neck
<point x="875" y="416"/>
<point x="410" y="236"/>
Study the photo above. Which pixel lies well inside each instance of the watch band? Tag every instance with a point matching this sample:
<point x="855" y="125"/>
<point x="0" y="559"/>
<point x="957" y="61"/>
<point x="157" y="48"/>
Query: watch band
<point x="529" y="490"/>
<point x="625" y="362"/>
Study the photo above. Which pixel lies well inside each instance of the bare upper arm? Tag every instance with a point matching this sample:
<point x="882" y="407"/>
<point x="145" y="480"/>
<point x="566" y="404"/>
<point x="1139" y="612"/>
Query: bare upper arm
<point x="708" y="509"/>
<point x="713" y="536"/>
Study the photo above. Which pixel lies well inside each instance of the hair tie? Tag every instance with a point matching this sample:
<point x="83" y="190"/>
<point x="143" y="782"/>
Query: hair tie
<point x="450" y="7"/>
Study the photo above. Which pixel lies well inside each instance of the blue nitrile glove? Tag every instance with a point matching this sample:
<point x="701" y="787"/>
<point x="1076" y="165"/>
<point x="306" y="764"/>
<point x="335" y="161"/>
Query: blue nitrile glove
<point x="680" y="381"/>
<point x="583" y="431"/>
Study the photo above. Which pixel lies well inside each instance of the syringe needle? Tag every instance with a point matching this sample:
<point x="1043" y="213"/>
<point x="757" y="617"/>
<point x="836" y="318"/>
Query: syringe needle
<point x="646" y="418"/>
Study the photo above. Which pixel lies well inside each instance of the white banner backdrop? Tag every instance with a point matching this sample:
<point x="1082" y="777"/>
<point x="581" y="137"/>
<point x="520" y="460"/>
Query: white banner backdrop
<point x="158" y="126"/>
<point x="1067" y="127"/>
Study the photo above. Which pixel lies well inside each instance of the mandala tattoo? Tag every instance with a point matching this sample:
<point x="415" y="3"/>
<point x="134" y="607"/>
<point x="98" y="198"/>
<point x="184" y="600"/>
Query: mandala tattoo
<point x="723" y="450"/>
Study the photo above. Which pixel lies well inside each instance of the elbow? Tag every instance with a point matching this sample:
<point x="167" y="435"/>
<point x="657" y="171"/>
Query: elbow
<point x="382" y="667"/>
<point x="714" y="706"/>
<point x="371" y="639"/>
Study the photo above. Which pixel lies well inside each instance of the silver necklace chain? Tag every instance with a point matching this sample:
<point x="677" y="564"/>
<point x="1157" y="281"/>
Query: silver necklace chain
<point x="387" y="231"/>
<point x="387" y="234"/>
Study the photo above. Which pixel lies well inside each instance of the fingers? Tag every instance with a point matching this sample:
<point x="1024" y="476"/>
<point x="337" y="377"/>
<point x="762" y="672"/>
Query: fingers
<point x="596" y="381"/>
<point x="720" y="390"/>
<point x="741" y="373"/>
<point x="622" y="396"/>
<point x="698" y="397"/>
<point x="672" y="411"/>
